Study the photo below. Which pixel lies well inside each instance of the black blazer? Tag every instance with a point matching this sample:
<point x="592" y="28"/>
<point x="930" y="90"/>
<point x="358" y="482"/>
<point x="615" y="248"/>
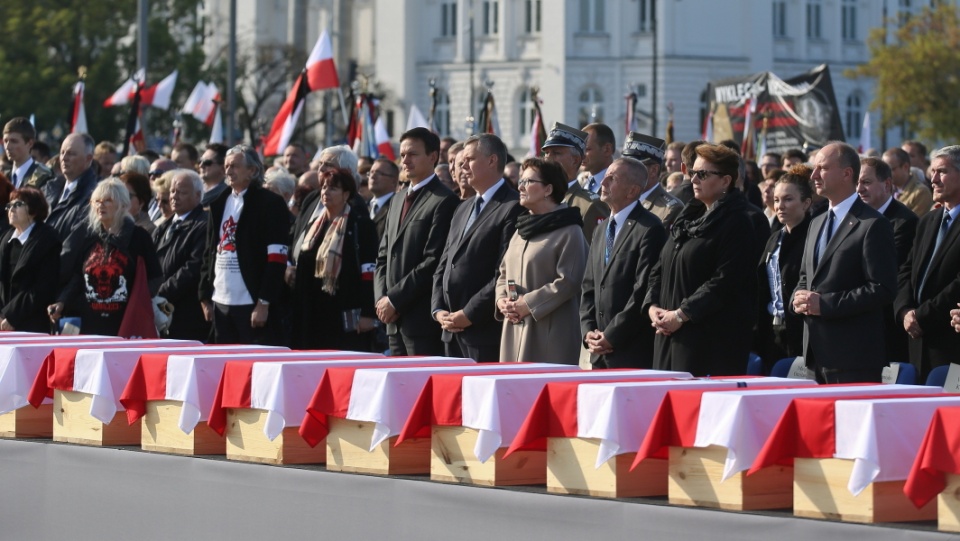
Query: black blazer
<point x="409" y="255"/>
<point x="261" y="240"/>
<point x="939" y="344"/>
<point x="904" y="223"/>
<point x="856" y="279"/>
<point x="32" y="283"/>
<point x="380" y="218"/>
<point x="613" y="292"/>
<point x="181" y="256"/>
<point x="70" y="214"/>
<point x="466" y="276"/>
<point x="790" y="259"/>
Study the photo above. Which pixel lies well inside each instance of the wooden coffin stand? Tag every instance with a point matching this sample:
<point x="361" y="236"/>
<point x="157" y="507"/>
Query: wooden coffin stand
<point x="820" y="491"/>
<point x="72" y="423"/>
<point x="348" y="450"/>
<point x="695" y="474"/>
<point x="452" y="461"/>
<point x="27" y="423"/>
<point x="160" y="432"/>
<point x="246" y="442"/>
<point x="571" y="470"/>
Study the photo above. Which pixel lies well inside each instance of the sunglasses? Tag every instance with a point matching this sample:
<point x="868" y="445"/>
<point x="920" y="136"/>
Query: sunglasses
<point x="15" y="205"/>
<point x="207" y="163"/>
<point x="703" y="173"/>
<point x="155" y="173"/>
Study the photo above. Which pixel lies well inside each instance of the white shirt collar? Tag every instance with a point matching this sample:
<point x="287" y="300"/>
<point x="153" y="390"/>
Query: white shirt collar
<point x="488" y="195"/>
<point x="842" y="208"/>
<point x="22" y="171"/>
<point x="383" y="199"/>
<point x="598" y="178"/>
<point x="885" y="205"/>
<point x="621" y="217"/>
<point x="422" y="183"/>
<point x="22" y="237"/>
<point x="240" y="194"/>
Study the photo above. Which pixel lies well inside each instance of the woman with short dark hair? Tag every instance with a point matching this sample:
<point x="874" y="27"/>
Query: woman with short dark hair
<point x="538" y="289"/>
<point x="140" y="197"/>
<point x="702" y="294"/>
<point x="335" y="259"/>
<point x="29" y="264"/>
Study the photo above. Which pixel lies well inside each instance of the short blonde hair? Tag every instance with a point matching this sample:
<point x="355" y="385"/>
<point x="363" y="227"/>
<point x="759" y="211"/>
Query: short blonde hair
<point x="135" y="164"/>
<point x="115" y="189"/>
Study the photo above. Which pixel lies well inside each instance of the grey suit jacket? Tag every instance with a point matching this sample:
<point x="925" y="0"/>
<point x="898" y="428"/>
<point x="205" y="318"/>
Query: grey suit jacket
<point x="409" y="254"/>
<point x="613" y="292"/>
<point x="856" y="278"/>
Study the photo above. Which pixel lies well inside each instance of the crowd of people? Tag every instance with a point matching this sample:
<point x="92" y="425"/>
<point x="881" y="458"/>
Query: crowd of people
<point x="673" y="256"/>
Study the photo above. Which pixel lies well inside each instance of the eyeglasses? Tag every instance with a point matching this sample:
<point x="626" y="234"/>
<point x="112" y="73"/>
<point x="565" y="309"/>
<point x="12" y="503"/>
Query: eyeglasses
<point x="381" y="174"/>
<point x="527" y="181"/>
<point x="208" y="163"/>
<point x="15" y="205"/>
<point x="702" y="174"/>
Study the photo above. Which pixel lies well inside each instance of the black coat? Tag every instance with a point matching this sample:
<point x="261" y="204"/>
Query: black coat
<point x="939" y="344"/>
<point x="708" y="271"/>
<point x="261" y="242"/>
<point x="613" y="292"/>
<point x="181" y="256"/>
<point x="71" y="214"/>
<point x="789" y="343"/>
<point x="466" y="276"/>
<point x="317" y="316"/>
<point x="904" y="223"/>
<point x="31" y="285"/>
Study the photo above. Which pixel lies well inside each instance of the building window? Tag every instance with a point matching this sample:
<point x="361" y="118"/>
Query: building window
<point x="532" y="16"/>
<point x="849" y="20"/>
<point x="641" y="91"/>
<point x="904" y="11"/>
<point x="647" y="15"/>
<point x="854" y="115"/>
<point x="527" y="112"/>
<point x="491" y="17"/>
<point x="441" y="114"/>
<point x="592" y="16"/>
<point x="448" y="19"/>
<point x="590" y="105"/>
<point x="814" y="9"/>
<point x="780" y="19"/>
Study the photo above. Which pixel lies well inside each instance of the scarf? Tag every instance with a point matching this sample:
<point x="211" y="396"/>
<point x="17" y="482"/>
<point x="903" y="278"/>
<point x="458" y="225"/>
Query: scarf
<point x="695" y="220"/>
<point x="330" y="253"/>
<point x="531" y="225"/>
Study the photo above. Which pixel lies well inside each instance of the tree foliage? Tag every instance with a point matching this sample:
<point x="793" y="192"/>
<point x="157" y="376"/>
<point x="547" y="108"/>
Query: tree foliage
<point x="43" y="43"/>
<point x="917" y="70"/>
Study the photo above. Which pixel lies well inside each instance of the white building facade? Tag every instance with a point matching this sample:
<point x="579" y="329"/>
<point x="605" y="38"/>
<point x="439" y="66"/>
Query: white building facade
<point x="583" y="55"/>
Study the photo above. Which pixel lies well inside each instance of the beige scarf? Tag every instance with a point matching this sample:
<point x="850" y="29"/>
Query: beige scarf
<point x="330" y="253"/>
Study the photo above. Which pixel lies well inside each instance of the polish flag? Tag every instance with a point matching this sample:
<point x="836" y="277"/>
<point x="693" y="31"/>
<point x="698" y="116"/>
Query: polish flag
<point x="416" y="119"/>
<point x="216" y="134"/>
<point x="159" y="94"/>
<point x="193" y="100"/>
<point x="321" y="69"/>
<point x="286" y="119"/>
<point x="207" y="106"/>
<point x="122" y="95"/>
<point x="79" y="120"/>
<point x="384" y="146"/>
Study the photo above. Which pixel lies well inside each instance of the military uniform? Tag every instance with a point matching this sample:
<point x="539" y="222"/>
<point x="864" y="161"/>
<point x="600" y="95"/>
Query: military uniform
<point x="663" y="205"/>
<point x="38" y="174"/>
<point x="591" y="208"/>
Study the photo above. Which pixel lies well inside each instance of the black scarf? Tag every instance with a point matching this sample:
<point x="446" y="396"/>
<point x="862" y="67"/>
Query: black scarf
<point x="694" y="221"/>
<point x="531" y="225"/>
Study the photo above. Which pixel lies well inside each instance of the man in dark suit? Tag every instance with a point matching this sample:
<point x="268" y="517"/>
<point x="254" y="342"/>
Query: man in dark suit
<point x="565" y="146"/>
<point x="463" y="286"/>
<point x="69" y="196"/>
<point x="847" y="276"/>
<point x="382" y="178"/>
<point x="180" y="243"/>
<point x="930" y="279"/>
<point x="245" y="255"/>
<point x="413" y="241"/>
<point x="625" y="248"/>
<point x="875" y="188"/>
<point x="18" y="138"/>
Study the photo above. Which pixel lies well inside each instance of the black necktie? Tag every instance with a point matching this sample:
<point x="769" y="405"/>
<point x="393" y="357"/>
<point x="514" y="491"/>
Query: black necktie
<point x="825" y="235"/>
<point x="941" y="234"/>
<point x="611" y="236"/>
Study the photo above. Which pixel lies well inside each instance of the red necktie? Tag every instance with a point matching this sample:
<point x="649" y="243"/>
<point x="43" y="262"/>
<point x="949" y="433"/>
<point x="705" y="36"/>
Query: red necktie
<point x="407" y="203"/>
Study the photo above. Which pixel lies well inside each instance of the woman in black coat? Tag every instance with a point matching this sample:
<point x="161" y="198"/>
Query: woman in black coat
<point x="333" y="287"/>
<point x="29" y="264"/>
<point x="702" y="294"/>
<point x="779" y="330"/>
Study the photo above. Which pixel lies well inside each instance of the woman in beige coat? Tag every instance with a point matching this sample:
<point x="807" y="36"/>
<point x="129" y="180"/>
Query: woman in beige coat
<point x="538" y="290"/>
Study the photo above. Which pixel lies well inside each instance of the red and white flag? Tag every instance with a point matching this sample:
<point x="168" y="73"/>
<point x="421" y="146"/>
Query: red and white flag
<point x="123" y="94"/>
<point x="193" y="100"/>
<point x="746" y="144"/>
<point x="159" y="94"/>
<point x="321" y="69"/>
<point x="384" y="146"/>
<point x="216" y="134"/>
<point x="79" y="119"/>
<point x="207" y="106"/>
<point x="865" y="143"/>
<point x="286" y="119"/>
<point x="320" y="73"/>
